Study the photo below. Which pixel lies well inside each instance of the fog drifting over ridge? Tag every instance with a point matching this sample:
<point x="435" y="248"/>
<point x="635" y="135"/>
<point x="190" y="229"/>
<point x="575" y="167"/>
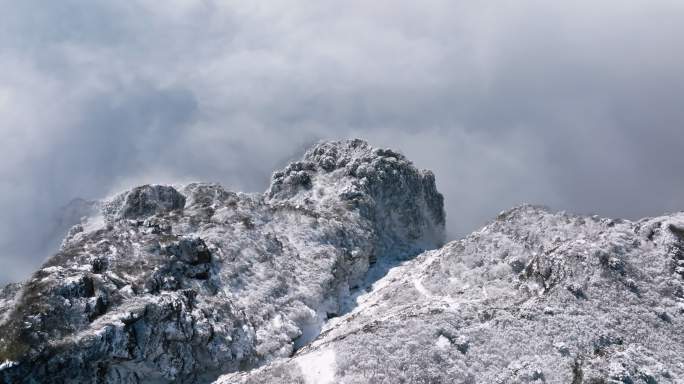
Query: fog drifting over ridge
<point x="576" y="106"/>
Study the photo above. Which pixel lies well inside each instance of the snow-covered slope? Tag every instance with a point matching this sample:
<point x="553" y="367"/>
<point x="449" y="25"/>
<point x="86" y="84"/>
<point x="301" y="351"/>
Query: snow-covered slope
<point x="316" y="282"/>
<point x="181" y="285"/>
<point x="533" y="297"/>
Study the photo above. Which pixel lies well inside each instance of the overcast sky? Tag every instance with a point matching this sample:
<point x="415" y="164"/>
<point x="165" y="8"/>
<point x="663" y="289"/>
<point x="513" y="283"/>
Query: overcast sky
<point x="578" y="105"/>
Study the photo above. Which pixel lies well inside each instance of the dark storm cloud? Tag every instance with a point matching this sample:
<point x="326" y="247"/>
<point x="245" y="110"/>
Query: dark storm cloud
<point x="577" y="105"/>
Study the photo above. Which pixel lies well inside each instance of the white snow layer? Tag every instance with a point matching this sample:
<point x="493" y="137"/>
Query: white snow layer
<point x="7" y="364"/>
<point x="318" y="367"/>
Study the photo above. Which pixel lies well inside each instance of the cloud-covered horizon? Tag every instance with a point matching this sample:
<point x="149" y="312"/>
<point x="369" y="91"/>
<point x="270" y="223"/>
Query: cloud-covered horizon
<point x="576" y="106"/>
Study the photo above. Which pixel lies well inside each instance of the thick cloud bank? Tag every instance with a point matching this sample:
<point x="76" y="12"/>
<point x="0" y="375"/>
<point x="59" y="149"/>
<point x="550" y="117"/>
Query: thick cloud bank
<point x="574" y="105"/>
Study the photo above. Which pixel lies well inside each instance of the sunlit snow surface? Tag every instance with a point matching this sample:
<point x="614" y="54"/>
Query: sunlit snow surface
<point x="318" y="367"/>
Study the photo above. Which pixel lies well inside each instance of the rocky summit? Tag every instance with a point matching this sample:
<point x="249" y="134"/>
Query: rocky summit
<point x="338" y="274"/>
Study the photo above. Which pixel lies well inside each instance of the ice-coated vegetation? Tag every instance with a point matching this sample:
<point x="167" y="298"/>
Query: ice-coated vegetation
<point x="183" y="284"/>
<point x="533" y="297"/>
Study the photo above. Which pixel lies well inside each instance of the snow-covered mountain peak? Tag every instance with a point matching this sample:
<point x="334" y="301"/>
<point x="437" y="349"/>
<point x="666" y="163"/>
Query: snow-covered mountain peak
<point x="181" y="284"/>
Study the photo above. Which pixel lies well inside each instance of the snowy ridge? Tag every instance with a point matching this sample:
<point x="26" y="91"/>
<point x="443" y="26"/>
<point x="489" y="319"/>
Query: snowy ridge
<point x="533" y="297"/>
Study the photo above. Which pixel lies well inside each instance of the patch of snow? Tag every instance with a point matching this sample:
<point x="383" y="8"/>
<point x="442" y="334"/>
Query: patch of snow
<point x="443" y="343"/>
<point x="418" y="285"/>
<point x="53" y="269"/>
<point x="8" y="364"/>
<point x="318" y="367"/>
<point x="94" y="223"/>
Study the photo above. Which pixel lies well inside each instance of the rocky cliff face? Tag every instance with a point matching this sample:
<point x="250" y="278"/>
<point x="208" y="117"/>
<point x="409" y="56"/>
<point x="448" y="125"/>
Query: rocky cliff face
<point x="183" y="284"/>
<point x="197" y="284"/>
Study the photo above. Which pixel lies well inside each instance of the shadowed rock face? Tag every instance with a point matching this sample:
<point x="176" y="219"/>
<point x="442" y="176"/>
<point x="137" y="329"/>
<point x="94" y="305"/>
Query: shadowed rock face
<point x="181" y="285"/>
